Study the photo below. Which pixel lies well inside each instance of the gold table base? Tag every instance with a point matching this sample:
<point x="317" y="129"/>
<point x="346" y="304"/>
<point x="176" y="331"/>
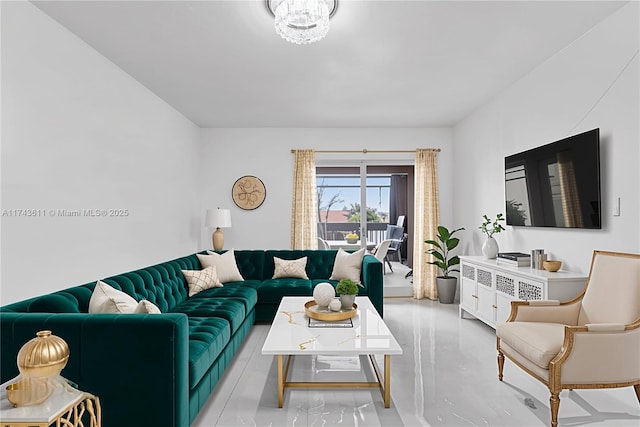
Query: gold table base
<point x="383" y="383"/>
<point x="71" y="416"/>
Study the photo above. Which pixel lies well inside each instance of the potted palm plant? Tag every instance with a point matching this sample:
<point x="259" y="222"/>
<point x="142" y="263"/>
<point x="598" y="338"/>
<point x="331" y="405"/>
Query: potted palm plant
<point x="440" y="252"/>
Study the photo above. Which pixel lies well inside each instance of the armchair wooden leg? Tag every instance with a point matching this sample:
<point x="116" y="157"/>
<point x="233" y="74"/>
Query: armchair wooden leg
<point x="500" y="360"/>
<point x="637" y="389"/>
<point x="554" y="402"/>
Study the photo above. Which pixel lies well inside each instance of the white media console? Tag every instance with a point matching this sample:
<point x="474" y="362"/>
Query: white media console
<point x="487" y="288"/>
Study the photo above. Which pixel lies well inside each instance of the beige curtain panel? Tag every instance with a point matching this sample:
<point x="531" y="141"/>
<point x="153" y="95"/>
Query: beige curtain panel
<point x="304" y="208"/>
<point x="427" y="218"/>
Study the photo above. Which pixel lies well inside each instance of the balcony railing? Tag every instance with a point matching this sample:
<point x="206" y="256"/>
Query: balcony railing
<point x="376" y="231"/>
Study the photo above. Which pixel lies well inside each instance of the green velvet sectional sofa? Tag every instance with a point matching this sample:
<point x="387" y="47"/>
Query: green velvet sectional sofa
<point x="159" y="369"/>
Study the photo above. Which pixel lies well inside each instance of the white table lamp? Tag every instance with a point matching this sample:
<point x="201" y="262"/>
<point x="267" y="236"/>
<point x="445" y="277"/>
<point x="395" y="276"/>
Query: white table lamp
<point x="219" y="218"/>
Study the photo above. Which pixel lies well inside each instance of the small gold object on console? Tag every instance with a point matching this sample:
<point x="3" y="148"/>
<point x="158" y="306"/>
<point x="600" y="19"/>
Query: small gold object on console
<point x="552" y="265"/>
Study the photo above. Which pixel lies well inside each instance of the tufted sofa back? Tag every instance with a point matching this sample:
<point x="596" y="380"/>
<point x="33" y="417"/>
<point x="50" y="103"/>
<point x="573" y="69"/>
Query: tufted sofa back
<point x="259" y="264"/>
<point x="319" y="263"/>
<point x="162" y="284"/>
<point x="250" y="264"/>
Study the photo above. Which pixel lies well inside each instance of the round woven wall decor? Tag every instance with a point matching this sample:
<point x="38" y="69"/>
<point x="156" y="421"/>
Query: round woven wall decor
<point x="248" y="192"/>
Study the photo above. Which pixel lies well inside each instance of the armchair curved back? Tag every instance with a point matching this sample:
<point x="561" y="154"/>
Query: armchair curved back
<point x="612" y="293"/>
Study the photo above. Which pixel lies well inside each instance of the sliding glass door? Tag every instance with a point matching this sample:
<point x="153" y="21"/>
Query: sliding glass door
<point x="381" y="195"/>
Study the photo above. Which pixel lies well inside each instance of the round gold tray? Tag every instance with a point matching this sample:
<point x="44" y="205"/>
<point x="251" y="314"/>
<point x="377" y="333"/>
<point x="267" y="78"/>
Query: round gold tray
<point x="311" y="309"/>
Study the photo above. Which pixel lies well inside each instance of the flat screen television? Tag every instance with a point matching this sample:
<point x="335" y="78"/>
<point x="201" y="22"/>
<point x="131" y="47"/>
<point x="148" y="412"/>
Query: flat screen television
<point x="555" y="185"/>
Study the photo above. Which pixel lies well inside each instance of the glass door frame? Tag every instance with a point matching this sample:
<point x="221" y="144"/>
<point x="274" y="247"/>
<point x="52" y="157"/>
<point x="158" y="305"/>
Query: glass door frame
<point x="376" y="167"/>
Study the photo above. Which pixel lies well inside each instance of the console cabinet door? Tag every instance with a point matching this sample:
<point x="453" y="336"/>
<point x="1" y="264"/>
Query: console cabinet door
<point x="468" y="297"/>
<point x="530" y="290"/>
<point x="505" y="293"/>
<point x="503" y="308"/>
<point x="485" y="294"/>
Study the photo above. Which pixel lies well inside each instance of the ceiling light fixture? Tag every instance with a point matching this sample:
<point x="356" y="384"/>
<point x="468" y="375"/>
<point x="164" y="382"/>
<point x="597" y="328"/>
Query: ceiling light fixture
<point x="302" y="21"/>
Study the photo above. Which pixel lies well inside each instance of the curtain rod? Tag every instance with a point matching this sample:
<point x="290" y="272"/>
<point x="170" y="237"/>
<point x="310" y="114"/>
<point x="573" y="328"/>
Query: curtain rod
<point x="365" y="151"/>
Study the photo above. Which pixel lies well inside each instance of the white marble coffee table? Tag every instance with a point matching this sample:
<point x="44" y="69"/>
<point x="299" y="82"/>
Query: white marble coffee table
<point x="291" y="336"/>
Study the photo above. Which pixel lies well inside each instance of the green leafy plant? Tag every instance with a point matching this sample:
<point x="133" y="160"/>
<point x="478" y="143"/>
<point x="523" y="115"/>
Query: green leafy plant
<point x="490" y="227"/>
<point x="347" y="287"/>
<point x="440" y="252"/>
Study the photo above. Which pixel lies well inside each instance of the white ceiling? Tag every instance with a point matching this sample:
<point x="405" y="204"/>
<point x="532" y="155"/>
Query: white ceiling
<point x="383" y="63"/>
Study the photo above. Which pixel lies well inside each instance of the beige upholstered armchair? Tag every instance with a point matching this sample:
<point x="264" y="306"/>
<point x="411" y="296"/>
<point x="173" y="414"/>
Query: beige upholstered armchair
<point x="592" y="341"/>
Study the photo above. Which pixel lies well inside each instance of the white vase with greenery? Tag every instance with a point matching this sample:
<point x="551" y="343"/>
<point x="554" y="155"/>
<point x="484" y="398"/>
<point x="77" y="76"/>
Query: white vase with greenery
<point x="489" y="227"/>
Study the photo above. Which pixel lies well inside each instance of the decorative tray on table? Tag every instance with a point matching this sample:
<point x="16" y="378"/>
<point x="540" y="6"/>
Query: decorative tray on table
<point x="315" y="312"/>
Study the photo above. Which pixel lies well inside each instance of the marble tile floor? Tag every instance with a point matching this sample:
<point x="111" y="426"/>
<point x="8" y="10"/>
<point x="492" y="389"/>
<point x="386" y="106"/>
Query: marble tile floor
<point x="396" y="284"/>
<point x="447" y="376"/>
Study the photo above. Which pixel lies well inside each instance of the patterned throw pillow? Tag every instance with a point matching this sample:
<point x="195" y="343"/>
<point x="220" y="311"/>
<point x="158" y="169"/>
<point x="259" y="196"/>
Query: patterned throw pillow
<point x="295" y="269"/>
<point x="347" y="266"/>
<point x="225" y="264"/>
<point x="199" y="280"/>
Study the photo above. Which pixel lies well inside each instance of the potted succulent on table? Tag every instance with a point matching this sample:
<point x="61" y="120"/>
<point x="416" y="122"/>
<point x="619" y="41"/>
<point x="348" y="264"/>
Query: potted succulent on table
<point x="348" y="289"/>
<point x="490" y="246"/>
<point x="445" y="283"/>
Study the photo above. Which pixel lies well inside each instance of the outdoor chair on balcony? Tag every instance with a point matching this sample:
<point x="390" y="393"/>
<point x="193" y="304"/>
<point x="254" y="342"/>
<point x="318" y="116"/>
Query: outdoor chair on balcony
<point x="380" y="252"/>
<point x="398" y="237"/>
<point x="591" y="341"/>
<point x="322" y="244"/>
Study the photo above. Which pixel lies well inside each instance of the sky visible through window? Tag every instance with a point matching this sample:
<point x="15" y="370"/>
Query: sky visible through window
<point x="348" y="189"/>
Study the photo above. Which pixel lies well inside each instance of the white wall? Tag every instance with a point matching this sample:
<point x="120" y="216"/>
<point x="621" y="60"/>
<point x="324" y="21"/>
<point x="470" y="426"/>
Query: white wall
<point x="79" y="133"/>
<point x="550" y="103"/>
<point x="229" y="154"/>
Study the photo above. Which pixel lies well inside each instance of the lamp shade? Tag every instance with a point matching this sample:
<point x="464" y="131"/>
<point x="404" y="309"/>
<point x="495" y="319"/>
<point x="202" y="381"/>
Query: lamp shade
<point x="218" y="218"/>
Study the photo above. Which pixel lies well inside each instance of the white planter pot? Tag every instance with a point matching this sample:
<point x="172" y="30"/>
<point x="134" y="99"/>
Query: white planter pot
<point x="347" y="301"/>
<point x="490" y="248"/>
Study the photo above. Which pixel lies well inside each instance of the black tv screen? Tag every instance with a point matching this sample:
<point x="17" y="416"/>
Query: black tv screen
<point x="555" y="185"/>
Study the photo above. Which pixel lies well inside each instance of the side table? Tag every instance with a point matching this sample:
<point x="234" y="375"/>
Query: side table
<point x="65" y="407"/>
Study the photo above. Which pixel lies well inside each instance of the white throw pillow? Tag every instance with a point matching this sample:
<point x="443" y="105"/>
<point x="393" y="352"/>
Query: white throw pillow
<point x="347" y="266"/>
<point x="147" y="307"/>
<point x="199" y="280"/>
<point x="225" y="264"/>
<point x="295" y="269"/>
<point x="106" y="299"/>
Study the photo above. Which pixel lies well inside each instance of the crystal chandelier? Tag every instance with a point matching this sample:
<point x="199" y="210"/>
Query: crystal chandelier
<point x="302" y="21"/>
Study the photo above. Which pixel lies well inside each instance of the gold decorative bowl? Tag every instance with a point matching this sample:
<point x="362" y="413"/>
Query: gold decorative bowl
<point x="43" y="357"/>
<point x="312" y="310"/>
<point x="351" y="240"/>
<point x="28" y="392"/>
<point x="552" y="265"/>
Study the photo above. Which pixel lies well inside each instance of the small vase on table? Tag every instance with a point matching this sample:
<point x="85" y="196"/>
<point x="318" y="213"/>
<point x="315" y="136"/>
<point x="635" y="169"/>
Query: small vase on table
<point x="490" y="227"/>
<point x="490" y="248"/>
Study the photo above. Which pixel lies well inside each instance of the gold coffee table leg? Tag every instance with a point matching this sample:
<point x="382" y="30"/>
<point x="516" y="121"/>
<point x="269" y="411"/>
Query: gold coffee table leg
<point x="383" y="381"/>
<point x="280" y="382"/>
<point x="387" y="380"/>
